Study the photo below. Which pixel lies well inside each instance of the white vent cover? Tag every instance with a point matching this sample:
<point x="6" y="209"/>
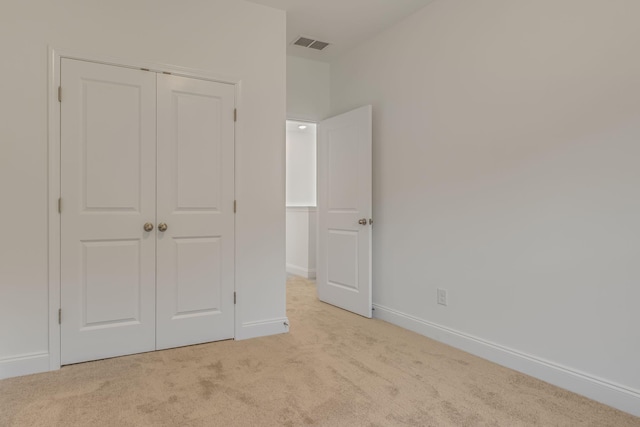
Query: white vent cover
<point x="310" y="43"/>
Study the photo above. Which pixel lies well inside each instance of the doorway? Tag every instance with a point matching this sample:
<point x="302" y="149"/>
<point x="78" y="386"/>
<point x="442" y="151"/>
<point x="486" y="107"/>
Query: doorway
<point x="301" y="199"/>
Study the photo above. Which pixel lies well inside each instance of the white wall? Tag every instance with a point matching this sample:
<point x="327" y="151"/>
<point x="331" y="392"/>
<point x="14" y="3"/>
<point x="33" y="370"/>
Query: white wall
<point x="307" y="89"/>
<point x="213" y="35"/>
<point x="301" y="241"/>
<point x="506" y="147"/>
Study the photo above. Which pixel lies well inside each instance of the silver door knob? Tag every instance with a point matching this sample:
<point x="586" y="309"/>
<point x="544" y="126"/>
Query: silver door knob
<point x="148" y="226"/>
<point x="162" y="226"/>
<point x="362" y="221"/>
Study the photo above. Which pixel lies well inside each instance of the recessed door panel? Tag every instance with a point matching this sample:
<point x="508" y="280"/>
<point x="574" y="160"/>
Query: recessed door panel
<point x="343" y="177"/>
<point x="198" y="284"/>
<point x="111" y="138"/>
<point x="108" y="177"/>
<point x="342" y="259"/>
<point x="111" y="283"/>
<point x="198" y="127"/>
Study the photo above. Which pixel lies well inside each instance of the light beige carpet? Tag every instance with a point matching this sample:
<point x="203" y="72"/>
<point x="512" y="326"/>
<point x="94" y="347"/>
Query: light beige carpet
<point x="334" y="368"/>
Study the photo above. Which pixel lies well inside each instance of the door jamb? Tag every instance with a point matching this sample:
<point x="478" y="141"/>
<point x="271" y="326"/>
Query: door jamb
<point x="55" y="57"/>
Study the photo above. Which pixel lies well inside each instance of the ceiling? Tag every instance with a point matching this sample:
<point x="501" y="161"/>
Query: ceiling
<point x="294" y="126"/>
<point x="343" y="23"/>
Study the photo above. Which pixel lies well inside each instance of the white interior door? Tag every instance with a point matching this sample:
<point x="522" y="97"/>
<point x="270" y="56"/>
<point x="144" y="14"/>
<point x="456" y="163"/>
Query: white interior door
<point x="108" y="184"/>
<point x="195" y="269"/>
<point x="344" y="211"/>
<point x="144" y="149"/>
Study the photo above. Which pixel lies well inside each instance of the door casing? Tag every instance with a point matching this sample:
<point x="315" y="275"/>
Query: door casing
<point x="53" y="216"/>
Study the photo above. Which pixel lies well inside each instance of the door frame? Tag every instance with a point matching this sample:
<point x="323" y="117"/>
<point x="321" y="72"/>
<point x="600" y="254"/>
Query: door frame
<point x="55" y="57"/>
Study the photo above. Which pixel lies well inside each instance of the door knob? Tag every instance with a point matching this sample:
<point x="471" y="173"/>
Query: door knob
<point x="162" y="226"/>
<point x="148" y="226"/>
<point x="362" y="221"/>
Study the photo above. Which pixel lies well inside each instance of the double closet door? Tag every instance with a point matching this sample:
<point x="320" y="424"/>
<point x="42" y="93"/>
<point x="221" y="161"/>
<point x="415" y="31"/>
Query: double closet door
<point x="147" y="221"/>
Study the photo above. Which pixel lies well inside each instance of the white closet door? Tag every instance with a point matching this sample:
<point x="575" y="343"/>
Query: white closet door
<point x="195" y="254"/>
<point x="108" y="164"/>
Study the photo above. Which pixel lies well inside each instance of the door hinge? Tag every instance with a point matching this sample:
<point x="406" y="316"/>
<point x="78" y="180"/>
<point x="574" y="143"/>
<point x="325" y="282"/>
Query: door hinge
<point x="59" y="316"/>
<point x="235" y="114"/>
<point x="235" y="206"/>
<point x="234" y="298"/>
<point x="59" y="93"/>
<point x="60" y="205"/>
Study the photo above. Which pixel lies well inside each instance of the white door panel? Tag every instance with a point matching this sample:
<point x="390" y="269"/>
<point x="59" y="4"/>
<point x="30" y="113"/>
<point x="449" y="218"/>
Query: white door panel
<point x="342" y="258"/>
<point x="344" y="200"/>
<point x="195" y="199"/>
<point x="108" y="135"/>
<point x="111" y="282"/>
<point x="343" y="151"/>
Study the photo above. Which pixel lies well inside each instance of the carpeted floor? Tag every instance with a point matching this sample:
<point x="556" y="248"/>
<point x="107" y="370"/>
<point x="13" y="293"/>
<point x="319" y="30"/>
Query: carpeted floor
<point x="334" y="368"/>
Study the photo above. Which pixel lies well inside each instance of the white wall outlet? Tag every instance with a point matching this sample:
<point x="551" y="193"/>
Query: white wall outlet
<point x="442" y="297"/>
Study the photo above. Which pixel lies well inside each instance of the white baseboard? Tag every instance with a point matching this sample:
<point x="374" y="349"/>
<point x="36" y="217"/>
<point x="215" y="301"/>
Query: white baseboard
<point x="598" y="389"/>
<point x="262" y="328"/>
<point x="24" y="365"/>
<point x="299" y="271"/>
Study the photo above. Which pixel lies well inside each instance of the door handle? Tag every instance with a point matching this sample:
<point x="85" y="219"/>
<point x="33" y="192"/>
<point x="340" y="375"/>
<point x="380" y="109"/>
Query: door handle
<point x="162" y="226"/>
<point x="148" y="226"/>
<point x="362" y="221"/>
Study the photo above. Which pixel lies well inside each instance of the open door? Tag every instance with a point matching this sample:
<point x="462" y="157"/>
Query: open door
<point x="344" y="211"/>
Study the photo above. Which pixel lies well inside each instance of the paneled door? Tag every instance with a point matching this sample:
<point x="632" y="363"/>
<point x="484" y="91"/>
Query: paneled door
<point x="147" y="224"/>
<point x="108" y="186"/>
<point x="344" y="211"/>
<point x="195" y="204"/>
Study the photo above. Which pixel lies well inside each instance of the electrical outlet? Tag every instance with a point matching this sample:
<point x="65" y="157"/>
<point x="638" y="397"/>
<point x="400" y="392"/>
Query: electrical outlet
<point x="442" y="297"/>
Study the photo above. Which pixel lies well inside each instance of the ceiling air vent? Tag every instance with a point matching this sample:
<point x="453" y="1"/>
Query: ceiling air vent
<point x="318" y="45"/>
<point x="310" y="43"/>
